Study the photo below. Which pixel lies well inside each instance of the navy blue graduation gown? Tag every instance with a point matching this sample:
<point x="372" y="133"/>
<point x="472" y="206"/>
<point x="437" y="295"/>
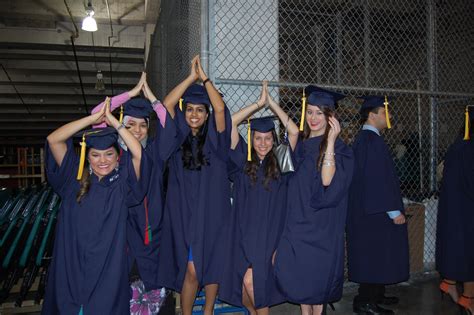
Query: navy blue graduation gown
<point x="257" y="223"/>
<point x="377" y="248"/>
<point x="142" y="249"/>
<point x="89" y="266"/>
<point x="197" y="208"/>
<point x="455" y="224"/>
<point x="309" y="263"/>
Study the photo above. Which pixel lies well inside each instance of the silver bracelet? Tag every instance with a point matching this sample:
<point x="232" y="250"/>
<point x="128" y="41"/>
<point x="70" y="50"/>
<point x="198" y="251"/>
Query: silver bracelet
<point x="120" y="127"/>
<point x="330" y="153"/>
<point x="155" y="102"/>
<point x="329" y="164"/>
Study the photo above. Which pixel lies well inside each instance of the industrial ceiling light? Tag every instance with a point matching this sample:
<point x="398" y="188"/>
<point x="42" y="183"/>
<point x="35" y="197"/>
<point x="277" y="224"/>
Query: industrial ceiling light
<point x="99" y="85"/>
<point x="89" y="24"/>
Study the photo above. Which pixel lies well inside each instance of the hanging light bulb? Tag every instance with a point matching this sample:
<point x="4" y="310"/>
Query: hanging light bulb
<point x="99" y="85"/>
<point x="89" y="24"/>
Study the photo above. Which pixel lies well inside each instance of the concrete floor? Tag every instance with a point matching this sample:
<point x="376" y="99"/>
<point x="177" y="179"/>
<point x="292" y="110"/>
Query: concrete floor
<point x="420" y="297"/>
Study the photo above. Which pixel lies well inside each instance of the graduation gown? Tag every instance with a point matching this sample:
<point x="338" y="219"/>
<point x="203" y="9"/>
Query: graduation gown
<point x="143" y="224"/>
<point x="197" y="207"/>
<point x="309" y="263"/>
<point x="257" y="223"/>
<point x="89" y="266"/>
<point x="377" y="248"/>
<point x="455" y="224"/>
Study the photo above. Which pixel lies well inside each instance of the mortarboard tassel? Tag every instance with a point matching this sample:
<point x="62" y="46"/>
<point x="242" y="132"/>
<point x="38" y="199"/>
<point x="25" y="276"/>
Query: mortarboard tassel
<point x="303" y="111"/>
<point x="387" y="116"/>
<point x="249" y="143"/>
<point x="466" y="127"/>
<point x="181" y="104"/>
<point x="121" y="114"/>
<point x="82" y="157"/>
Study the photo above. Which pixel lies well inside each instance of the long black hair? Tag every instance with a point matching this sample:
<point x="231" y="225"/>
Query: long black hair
<point x="191" y="161"/>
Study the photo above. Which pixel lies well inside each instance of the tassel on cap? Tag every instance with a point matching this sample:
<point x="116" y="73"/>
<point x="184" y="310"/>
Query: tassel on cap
<point x="387" y="116"/>
<point x="121" y="114"/>
<point x="466" y="124"/>
<point x="303" y="111"/>
<point x="249" y="142"/>
<point x="181" y="104"/>
<point x="82" y="157"/>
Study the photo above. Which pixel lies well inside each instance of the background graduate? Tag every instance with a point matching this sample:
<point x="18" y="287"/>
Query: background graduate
<point x="144" y="218"/>
<point x="89" y="273"/>
<point x="309" y="262"/>
<point x="455" y="224"/>
<point x="377" y="240"/>
<point x="259" y="205"/>
<point x="198" y="196"/>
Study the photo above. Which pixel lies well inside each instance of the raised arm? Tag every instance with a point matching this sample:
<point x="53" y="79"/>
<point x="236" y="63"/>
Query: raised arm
<point x="328" y="169"/>
<point x="217" y="102"/>
<point x="293" y="130"/>
<point x="157" y="106"/>
<point x="134" y="147"/>
<point x="246" y="112"/>
<point x="57" y="139"/>
<point x="118" y="100"/>
<point x="173" y="97"/>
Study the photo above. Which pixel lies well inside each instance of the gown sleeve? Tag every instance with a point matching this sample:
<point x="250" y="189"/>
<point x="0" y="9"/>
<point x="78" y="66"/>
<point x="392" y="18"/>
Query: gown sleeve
<point x="220" y="141"/>
<point x="61" y="177"/>
<point x="167" y="140"/>
<point x="137" y="187"/>
<point x="330" y="196"/>
<point x="237" y="158"/>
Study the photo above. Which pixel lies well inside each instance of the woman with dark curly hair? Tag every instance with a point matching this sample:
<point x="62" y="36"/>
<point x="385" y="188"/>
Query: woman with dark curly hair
<point x="259" y="209"/>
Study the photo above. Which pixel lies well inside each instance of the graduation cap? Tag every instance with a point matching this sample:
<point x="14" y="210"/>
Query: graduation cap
<point x="263" y="124"/>
<point x="195" y="94"/>
<point x="138" y="108"/>
<point x="319" y="97"/>
<point x="99" y="138"/>
<point x="469" y="110"/>
<point x="374" y="101"/>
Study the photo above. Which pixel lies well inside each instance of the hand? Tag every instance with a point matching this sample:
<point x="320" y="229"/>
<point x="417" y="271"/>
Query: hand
<point x="334" y="130"/>
<point x="263" y="94"/>
<point x="193" y="74"/>
<point x="273" y="257"/>
<point x="136" y="90"/>
<point x="110" y="120"/>
<point x="98" y="117"/>
<point x="148" y="93"/>
<point x="200" y="70"/>
<point x="400" y="219"/>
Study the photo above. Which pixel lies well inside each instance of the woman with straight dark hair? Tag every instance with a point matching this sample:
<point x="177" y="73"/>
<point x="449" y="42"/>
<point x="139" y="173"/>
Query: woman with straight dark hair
<point x="309" y="262"/>
<point x="198" y="195"/>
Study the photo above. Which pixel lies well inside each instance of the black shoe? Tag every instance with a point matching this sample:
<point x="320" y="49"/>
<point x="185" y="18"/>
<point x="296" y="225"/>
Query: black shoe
<point x="388" y="300"/>
<point x="370" y="309"/>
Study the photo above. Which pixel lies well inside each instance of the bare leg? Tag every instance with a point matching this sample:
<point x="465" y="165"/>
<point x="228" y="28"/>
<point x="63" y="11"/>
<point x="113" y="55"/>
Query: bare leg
<point x="211" y="293"/>
<point x="248" y="284"/>
<point x="189" y="291"/>
<point x="306" y="309"/>
<point x="263" y="311"/>
<point x="246" y="301"/>
<point x="469" y="292"/>
<point x="317" y="309"/>
<point x="452" y="290"/>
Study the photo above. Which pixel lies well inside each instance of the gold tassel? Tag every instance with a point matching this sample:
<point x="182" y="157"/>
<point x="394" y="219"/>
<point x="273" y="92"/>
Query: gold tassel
<point x="466" y="127"/>
<point x="249" y="143"/>
<point x="82" y="157"/>
<point x="303" y="111"/>
<point x="121" y="114"/>
<point x="181" y="104"/>
<point x="387" y="116"/>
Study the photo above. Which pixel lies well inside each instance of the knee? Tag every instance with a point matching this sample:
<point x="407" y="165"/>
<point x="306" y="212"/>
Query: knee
<point x="191" y="274"/>
<point x="248" y="282"/>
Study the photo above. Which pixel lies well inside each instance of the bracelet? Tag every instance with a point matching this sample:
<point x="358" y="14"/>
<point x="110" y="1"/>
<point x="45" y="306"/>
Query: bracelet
<point x="155" y="102"/>
<point x="330" y="153"/>
<point x="205" y="81"/>
<point x="120" y="127"/>
<point x="329" y="164"/>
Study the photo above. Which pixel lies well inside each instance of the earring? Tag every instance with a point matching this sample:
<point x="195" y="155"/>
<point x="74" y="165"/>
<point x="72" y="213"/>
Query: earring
<point x="117" y="167"/>
<point x="90" y="169"/>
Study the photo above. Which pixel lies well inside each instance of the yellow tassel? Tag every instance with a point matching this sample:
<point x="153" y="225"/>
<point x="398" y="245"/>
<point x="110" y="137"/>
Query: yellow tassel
<point x="181" y="104"/>
<point x="466" y="128"/>
<point x="82" y="157"/>
<point x="121" y="114"/>
<point x="249" y="142"/>
<point x="387" y="116"/>
<point x="303" y="111"/>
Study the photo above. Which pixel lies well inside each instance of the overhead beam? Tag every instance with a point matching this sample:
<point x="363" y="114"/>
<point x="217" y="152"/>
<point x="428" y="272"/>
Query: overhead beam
<point x="123" y="86"/>
<point x="66" y="72"/>
<point x="79" y="48"/>
<point x="10" y="56"/>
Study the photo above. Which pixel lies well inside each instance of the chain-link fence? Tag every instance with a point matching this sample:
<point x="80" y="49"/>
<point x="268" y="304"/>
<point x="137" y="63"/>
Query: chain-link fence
<point x="420" y="52"/>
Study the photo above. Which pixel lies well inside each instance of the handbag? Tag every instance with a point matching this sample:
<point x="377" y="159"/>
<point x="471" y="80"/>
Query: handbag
<point x="283" y="154"/>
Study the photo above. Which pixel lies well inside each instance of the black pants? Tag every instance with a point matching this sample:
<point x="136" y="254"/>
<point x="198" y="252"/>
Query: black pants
<point x="370" y="293"/>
